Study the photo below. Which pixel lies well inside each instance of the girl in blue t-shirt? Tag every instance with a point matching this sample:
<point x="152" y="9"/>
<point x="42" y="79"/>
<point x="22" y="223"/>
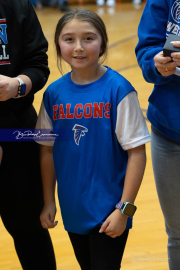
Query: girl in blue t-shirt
<point x="98" y="156"/>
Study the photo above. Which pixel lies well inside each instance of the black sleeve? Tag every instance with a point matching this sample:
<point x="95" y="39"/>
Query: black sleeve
<point x="35" y="46"/>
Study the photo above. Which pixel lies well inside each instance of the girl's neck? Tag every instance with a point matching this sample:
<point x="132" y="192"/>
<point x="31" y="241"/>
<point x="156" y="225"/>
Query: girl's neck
<point x="86" y="77"/>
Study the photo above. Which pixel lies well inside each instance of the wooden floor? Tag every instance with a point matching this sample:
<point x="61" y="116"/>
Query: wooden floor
<point x="146" y="246"/>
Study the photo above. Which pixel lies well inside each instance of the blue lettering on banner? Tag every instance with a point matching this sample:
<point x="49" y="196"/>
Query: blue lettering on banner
<point x="3" y="34"/>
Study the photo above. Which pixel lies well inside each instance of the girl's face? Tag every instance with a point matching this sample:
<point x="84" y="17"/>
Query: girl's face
<point x="80" y="44"/>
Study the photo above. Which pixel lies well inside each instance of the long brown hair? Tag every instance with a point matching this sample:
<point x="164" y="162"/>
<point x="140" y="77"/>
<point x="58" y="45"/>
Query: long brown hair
<point x="81" y="15"/>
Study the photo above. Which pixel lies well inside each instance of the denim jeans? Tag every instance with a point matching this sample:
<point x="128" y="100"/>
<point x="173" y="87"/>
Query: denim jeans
<point x="166" y="167"/>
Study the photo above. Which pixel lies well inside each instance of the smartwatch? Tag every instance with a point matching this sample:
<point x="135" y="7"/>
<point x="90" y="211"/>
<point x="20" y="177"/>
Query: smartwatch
<point x="21" y="87"/>
<point x="127" y="209"/>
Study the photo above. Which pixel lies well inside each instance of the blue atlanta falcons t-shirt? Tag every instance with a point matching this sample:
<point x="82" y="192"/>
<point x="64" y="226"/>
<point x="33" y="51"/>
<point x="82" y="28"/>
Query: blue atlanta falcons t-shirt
<point x="89" y="161"/>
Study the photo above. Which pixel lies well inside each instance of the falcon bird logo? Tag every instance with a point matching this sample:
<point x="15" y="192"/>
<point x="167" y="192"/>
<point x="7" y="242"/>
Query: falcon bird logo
<point x="78" y="132"/>
<point x="175" y="11"/>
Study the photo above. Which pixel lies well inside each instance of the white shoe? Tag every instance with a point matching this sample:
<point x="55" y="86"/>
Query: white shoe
<point x="137" y="2"/>
<point x="100" y="2"/>
<point x="110" y="3"/>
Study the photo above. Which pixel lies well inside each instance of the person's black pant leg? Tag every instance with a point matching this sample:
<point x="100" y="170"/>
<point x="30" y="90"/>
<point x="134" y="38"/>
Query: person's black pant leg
<point x="35" y="250"/>
<point x="21" y="202"/>
<point x="81" y="248"/>
<point x="95" y="251"/>
<point x="107" y="252"/>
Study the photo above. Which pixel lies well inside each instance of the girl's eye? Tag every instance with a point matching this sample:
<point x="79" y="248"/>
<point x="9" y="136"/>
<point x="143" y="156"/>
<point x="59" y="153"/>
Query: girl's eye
<point x="89" y="38"/>
<point x="68" y="39"/>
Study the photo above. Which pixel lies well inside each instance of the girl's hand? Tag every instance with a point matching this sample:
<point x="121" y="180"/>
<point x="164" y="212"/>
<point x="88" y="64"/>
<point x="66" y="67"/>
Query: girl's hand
<point x="1" y="154"/>
<point x="164" y="65"/>
<point x="48" y="215"/>
<point x="176" y="55"/>
<point x="115" y="224"/>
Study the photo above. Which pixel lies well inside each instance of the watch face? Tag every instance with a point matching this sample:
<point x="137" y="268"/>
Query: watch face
<point x="23" y="89"/>
<point x="129" y="209"/>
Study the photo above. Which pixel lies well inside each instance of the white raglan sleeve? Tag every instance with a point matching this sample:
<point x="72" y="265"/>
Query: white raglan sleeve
<point x="131" y="129"/>
<point x="44" y="123"/>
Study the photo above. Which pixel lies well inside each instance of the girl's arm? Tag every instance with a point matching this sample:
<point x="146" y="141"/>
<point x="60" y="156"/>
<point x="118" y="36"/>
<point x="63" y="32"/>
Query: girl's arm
<point x="49" y="182"/>
<point x="134" y="173"/>
<point x="115" y="224"/>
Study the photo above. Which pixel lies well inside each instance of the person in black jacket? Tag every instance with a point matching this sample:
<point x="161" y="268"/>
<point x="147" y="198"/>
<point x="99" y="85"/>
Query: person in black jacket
<point x="23" y="72"/>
